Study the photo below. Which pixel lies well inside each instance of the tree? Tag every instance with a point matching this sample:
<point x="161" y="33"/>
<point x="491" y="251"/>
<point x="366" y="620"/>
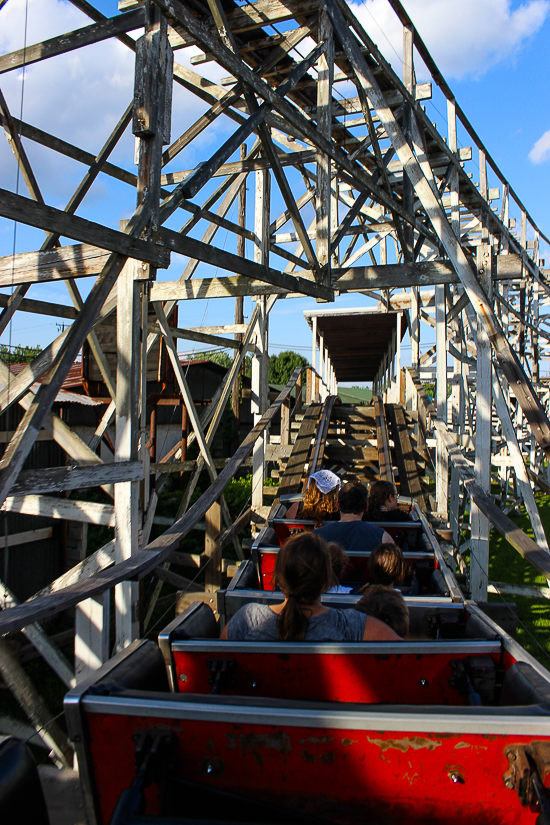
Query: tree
<point x="222" y="358"/>
<point x="283" y="365"/>
<point x="19" y="354"/>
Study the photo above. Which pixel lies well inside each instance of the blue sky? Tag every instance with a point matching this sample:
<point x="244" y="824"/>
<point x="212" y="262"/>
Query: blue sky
<point x="493" y="54"/>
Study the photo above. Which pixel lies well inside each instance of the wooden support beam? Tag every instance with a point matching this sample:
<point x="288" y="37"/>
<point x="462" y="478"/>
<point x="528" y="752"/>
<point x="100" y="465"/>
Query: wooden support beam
<point x="88" y="512"/>
<point x="479" y="559"/>
<point x="38" y="638"/>
<point x="507" y="358"/>
<point x="72" y="40"/>
<point x="241" y="71"/>
<point x="77" y="261"/>
<point x="50" y="479"/>
<point x="384" y="453"/>
<point x="150" y="557"/>
<point x="24" y="210"/>
<point x="239" y="166"/>
<point x="212" y="554"/>
<point x="442" y="463"/>
<point x="127" y="523"/>
<point x="14" y="140"/>
<point x="197" y="335"/>
<point x="185" y="245"/>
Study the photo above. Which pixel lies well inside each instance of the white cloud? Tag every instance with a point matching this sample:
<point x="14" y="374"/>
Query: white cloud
<point x="80" y="96"/>
<point x="541" y="150"/>
<point x="465" y="37"/>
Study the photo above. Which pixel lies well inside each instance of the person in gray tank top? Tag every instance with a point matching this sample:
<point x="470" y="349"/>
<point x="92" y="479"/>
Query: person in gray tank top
<point x="303" y="571"/>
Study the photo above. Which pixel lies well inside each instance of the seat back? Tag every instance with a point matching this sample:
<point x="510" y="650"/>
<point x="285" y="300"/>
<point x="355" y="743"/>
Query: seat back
<point x="144" y="671"/>
<point x="390" y="673"/>
<point x="356" y="572"/>
<point x="196" y="622"/>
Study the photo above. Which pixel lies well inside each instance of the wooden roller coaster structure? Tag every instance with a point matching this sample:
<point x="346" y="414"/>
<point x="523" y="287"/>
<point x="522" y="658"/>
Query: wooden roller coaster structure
<point x="371" y="198"/>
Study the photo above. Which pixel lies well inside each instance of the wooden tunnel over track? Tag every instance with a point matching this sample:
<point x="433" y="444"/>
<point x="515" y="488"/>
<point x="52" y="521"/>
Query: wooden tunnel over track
<point x="354" y="190"/>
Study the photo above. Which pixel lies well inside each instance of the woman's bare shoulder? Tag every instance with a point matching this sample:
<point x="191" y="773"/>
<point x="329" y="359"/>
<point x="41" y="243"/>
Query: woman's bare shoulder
<point x="377" y="631"/>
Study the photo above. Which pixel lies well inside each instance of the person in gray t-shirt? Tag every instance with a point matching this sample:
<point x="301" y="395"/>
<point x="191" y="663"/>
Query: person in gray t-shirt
<point x="303" y="571"/>
<point x="258" y="623"/>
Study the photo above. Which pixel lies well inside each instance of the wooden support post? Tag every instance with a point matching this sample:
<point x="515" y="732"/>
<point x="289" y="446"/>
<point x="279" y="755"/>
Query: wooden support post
<point x="415" y="327"/>
<point x="408" y="114"/>
<point x="453" y="180"/>
<point x="534" y="331"/>
<point x="479" y="559"/>
<point x="323" y="201"/>
<point x="314" y="342"/>
<point x="91" y="647"/>
<point x="144" y="435"/>
<point x="285" y="422"/>
<point x="151" y="124"/>
<point x="321" y="363"/>
<point x="126" y="449"/>
<point x="442" y="462"/>
<point x="299" y="385"/>
<point x="239" y="311"/>
<point x="213" y="570"/>
<point x="260" y="360"/>
<point x="398" y="357"/>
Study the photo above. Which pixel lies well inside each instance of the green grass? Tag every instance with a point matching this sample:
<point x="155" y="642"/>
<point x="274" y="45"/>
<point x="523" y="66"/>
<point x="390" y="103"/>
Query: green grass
<point x="506" y="565"/>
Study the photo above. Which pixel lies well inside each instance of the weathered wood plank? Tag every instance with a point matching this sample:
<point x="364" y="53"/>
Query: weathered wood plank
<point x="506" y="356"/>
<point x="525" y="545"/>
<point x="50" y="479"/>
<point x="72" y="40"/>
<point x="68" y="149"/>
<point x="291" y="482"/>
<point x="409" y="481"/>
<point x="233" y="263"/>
<point x="241" y="71"/>
<point x="384" y="453"/>
<point x="41" y="307"/>
<point x="26" y="537"/>
<point x="239" y="166"/>
<point x="146" y="560"/>
<point x="230" y="287"/>
<point x="17" y="208"/>
<point x="89" y="512"/>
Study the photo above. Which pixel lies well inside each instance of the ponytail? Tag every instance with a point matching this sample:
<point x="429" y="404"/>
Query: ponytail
<point x="303" y="571"/>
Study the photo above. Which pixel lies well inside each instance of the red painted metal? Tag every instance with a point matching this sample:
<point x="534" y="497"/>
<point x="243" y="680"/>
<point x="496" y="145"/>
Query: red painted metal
<point x="355" y="573"/>
<point x="266" y="562"/>
<point x="407" y="678"/>
<point x="342" y="775"/>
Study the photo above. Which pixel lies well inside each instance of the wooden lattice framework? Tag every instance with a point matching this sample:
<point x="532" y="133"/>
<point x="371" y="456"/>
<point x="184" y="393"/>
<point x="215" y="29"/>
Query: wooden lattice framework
<point x="376" y="200"/>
